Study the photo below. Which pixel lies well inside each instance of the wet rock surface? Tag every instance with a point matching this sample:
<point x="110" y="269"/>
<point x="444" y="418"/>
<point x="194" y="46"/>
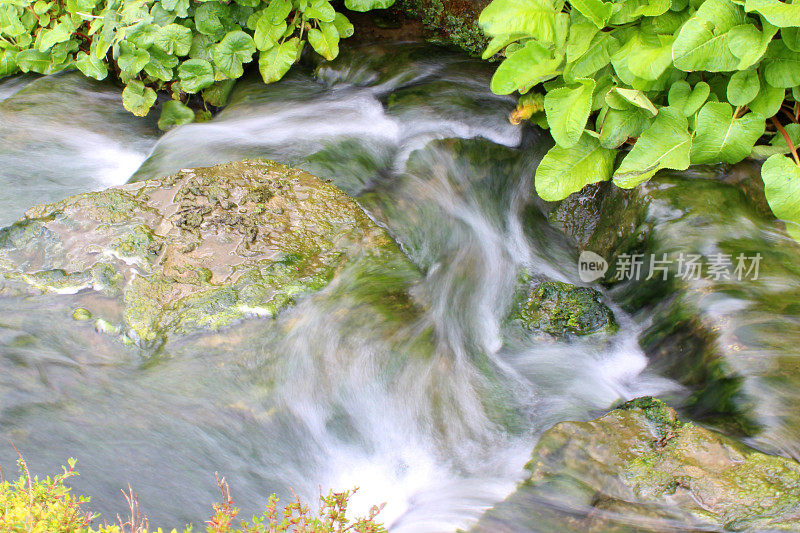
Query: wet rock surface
<point x="720" y="314"/>
<point x="642" y="462"/>
<point x="193" y="251"/>
<point x="562" y="309"/>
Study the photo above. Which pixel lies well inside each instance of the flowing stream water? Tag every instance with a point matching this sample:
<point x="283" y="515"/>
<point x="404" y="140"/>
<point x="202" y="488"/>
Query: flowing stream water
<point x="329" y="394"/>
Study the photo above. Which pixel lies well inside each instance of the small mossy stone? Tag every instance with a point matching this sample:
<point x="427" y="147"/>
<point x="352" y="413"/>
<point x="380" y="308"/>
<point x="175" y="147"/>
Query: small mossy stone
<point x="562" y="309"/>
<point x="81" y="314"/>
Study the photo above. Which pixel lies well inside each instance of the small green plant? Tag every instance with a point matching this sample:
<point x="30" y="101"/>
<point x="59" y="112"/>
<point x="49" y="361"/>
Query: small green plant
<point x="31" y="505"/>
<point x="183" y="47"/>
<point x="681" y="81"/>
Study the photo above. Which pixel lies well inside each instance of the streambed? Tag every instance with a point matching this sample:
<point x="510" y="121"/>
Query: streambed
<point x="331" y="394"/>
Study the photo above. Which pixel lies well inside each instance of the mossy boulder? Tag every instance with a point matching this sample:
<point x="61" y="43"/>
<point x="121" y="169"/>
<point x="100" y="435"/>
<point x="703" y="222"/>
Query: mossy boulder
<point x="192" y="251"/>
<point x="561" y="309"/>
<point x="640" y="462"/>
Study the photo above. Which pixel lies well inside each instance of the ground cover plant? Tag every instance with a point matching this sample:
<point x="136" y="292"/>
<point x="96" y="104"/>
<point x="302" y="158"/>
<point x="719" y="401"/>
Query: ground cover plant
<point x="32" y="505"/>
<point x="183" y="47"/>
<point x="680" y="82"/>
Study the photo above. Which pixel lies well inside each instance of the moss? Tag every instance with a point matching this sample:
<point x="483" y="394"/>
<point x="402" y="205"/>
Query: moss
<point x="562" y="309"/>
<point x="57" y="280"/>
<point x="81" y="314"/>
<point x="197" y="250"/>
<point x="664" y="419"/>
<point x="455" y="21"/>
<point x="640" y="461"/>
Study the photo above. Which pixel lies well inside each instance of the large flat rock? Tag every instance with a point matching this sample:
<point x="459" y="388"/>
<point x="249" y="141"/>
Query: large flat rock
<point x="195" y="250"/>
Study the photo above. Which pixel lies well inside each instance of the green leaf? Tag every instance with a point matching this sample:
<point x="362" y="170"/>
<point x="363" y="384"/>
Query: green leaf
<point x="41" y="7"/>
<point x="782" y="66"/>
<point x="533" y="18"/>
<point x="722" y="138"/>
<point x="687" y="100"/>
<point x="782" y="189"/>
<point x="567" y="110"/>
<point x="267" y="33"/>
<point x="367" y="5"/>
<point x="699" y="47"/>
<point x="722" y="14"/>
<point x="620" y="125"/>
<point x="325" y="41"/>
<point x="769" y="99"/>
<point x="598" y="54"/>
<point x="532" y="64"/>
<point x="195" y="75"/>
<point x="10" y="23"/>
<point x="743" y="87"/>
<point x="623" y="99"/>
<point x="343" y="26"/>
<point x="174" y="113"/>
<point x="160" y="16"/>
<point x="499" y="42"/>
<point x="782" y="14"/>
<point x="33" y="61"/>
<point x="8" y="63"/>
<point x="277" y="10"/>
<point x="276" y="62"/>
<point x="59" y="33"/>
<point x="791" y="38"/>
<point x="174" y="39"/>
<point x="210" y="17"/>
<point x="581" y="34"/>
<point x="137" y="98"/>
<point x="179" y="7"/>
<point x="649" y="58"/>
<point x="665" y="144"/>
<point x="236" y="48"/>
<point x="564" y="171"/>
<point x="142" y="35"/>
<point x="160" y="65"/>
<point x="201" y="47"/>
<point x="90" y="66"/>
<point x="749" y="44"/>
<point x="595" y="10"/>
<point x="131" y="59"/>
<point x="321" y="10"/>
<point x="777" y="145"/>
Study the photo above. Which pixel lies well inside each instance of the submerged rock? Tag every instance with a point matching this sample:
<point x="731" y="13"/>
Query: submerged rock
<point x="196" y="250"/>
<point x="641" y="464"/>
<point x="562" y="309"/>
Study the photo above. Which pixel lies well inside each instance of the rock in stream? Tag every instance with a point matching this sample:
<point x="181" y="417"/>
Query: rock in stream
<point x="641" y="462"/>
<point x="193" y="251"/>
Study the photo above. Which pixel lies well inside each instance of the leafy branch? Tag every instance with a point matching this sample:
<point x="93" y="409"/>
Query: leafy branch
<point x="683" y="81"/>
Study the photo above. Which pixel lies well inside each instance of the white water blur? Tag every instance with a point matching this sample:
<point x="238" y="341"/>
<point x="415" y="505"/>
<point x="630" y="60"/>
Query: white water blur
<point x="330" y="395"/>
<point x="64" y="134"/>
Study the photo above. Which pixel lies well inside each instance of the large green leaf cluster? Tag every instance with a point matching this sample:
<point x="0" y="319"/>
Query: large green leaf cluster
<point x="682" y="81"/>
<point x="184" y="47"/>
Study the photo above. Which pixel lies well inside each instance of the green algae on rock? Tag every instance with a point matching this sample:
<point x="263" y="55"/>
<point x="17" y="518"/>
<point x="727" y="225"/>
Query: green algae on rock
<point x="562" y="309"/>
<point x="640" y="462"/>
<point x="196" y="250"/>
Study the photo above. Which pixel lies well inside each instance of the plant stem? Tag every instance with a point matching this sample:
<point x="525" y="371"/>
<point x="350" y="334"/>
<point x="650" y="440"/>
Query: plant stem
<point x="787" y="139"/>
<point x="789" y="114"/>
